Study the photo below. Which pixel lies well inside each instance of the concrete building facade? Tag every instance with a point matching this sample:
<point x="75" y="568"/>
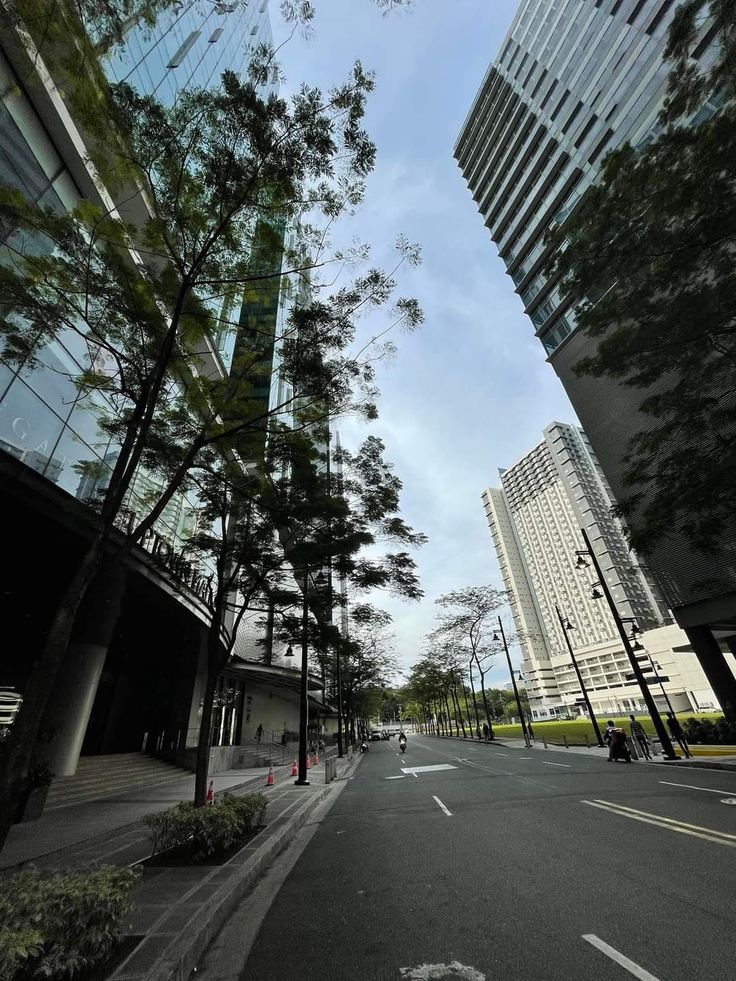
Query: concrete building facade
<point x="573" y="80"/>
<point x="535" y="518"/>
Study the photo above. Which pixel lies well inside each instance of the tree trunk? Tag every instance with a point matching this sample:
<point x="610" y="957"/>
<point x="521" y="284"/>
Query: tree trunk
<point x="486" y="706"/>
<point x="448" y="715"/>
<point x="475" y="705"/>
<point x="458" y="713"/>
<point x="204" y="742"/>
<point x="467" y="710"/>
<point x="22" y="737"/>
<point x="216" y="660"/>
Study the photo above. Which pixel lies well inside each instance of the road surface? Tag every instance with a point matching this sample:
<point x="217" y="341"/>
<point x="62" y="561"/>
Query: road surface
<point x="461" y="860"/>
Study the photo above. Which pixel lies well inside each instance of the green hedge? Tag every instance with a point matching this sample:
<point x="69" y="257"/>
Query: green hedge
<point x="709" y="731"/>
<point x="53" y="925"/>
<point x="205" y="831"/>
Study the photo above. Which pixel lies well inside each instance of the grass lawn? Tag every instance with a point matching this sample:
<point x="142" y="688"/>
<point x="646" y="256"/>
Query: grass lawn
<point x="576" y="730"/>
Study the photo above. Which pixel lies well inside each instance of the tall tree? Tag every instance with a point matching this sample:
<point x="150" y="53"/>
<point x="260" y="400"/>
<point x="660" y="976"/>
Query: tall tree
<point x="466" y="622"/>
<point x="649" y="255"/>
<point x="147" y="301"/>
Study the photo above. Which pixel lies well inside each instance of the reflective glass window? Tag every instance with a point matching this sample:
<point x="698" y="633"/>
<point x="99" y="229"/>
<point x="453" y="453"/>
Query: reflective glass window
<point x="29" y="429"/>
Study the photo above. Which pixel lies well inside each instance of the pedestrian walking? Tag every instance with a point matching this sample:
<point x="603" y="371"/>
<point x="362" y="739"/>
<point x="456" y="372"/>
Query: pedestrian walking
<point x="259" y="732"/>
<point x="321" y="745"/>
<point x="486" y="731"/>
<point x="677" y="733"/>
<point x="477" y="732"/>
<point x="530" y="730"/>
<point x="638" y="733"/>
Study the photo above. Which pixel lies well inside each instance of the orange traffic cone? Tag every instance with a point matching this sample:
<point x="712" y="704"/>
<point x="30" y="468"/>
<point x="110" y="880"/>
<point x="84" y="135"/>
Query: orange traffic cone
<point x="271" y="781"/>
<point x="294" y="769"/>
<point x="316" y="759"/>
<point x="210" y="798"/>
<point x="309" y="762"/>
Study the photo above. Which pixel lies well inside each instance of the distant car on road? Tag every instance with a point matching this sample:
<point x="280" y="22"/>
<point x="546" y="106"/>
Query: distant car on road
<point x="375" y="736"/>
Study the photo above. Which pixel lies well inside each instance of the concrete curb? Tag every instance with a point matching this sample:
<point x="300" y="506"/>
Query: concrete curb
<point x="699" y="763"/>
<point x="179" y="954"/>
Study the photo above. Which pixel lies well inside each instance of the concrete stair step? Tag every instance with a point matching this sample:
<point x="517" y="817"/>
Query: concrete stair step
<point x="96" y="793"/>
<point x="104" y="776"/>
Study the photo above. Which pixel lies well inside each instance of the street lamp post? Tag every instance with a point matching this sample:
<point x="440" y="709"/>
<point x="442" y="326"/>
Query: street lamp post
<point x="527" y="742"/>
<point x="566" y="626"/>
<point x="301" y="780"/>
<point x="667" y="748"/>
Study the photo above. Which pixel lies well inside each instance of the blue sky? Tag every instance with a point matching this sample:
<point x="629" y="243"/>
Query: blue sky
<point x="470" y="392"/>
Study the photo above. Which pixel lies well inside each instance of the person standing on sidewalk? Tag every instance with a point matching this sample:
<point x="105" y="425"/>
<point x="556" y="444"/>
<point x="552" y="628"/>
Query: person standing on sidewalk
<point x="638" y="733"/>
<point x="676" y="732"/>
<point x="259" y="733"/>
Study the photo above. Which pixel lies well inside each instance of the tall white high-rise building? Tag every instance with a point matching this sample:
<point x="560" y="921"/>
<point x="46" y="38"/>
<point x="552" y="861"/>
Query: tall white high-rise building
<point x="573" y="80"/>
<point x="535" y="518"/>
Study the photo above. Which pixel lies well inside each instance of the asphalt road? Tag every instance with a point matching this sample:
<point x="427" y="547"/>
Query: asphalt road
<point x="539" y="851"/>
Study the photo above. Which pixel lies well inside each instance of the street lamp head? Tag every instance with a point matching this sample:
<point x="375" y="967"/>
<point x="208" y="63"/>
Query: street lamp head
<point x="569" y="626"/>
<point x="289" y="651"/>
<point x="581" y="563"/>
<point x="636" y="646"/>
<point x="596" y="594"/>
<point x="635" y="629"/>
<point x="495" y="636"/>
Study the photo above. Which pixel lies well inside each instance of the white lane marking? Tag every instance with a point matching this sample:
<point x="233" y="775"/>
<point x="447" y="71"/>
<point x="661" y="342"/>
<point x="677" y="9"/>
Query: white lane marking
<point x="729" y="800"/>
<point x="693" y="830"/>
<point x="428" y="769"/>
<point x="401" y="776"/>
<point x="448" y="813"/>
<point x="691" y="786"/>
<point x="530" y="758"/>
<point x="441" y="972"/>
<point x="547" y="763"/>
<point x="619" y="958"/>
<point x="500" y="754"/>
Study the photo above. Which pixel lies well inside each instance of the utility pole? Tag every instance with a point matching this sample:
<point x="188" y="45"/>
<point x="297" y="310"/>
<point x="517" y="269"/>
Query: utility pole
<point x="513" y="682"/>
<point x="565" y="628"/>
<point x="664" y="738"/>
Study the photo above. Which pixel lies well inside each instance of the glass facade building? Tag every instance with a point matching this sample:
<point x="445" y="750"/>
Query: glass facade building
<point x="573" y="80"/>
<point x="46" y="422"/>
<point x="191" y="45"/>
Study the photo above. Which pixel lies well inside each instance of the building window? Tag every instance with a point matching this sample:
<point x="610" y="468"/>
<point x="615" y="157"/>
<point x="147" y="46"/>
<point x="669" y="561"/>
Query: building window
<point x="183" y="50"/>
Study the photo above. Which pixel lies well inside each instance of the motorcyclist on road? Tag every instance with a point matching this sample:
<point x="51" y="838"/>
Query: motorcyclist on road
<point x="402" y="740"/>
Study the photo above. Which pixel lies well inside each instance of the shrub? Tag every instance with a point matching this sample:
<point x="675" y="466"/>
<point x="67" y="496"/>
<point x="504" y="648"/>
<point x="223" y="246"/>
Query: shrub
<point x="706" y="731"/>
<point x="53" y="925"/>
<point x="204" y="831"/>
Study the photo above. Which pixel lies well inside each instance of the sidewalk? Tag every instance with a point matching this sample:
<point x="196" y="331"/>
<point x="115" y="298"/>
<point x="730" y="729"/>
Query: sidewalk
<point x="178" y="909"/>
<point x="704" y="762"/>
<point x="109" y="830"/>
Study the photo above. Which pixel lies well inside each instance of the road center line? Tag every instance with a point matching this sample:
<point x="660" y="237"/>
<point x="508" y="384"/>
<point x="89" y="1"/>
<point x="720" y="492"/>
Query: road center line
<point x="691" y="786"/>
<point x="448" y="813"/>
<point x="619" y="958"/>
<point x="547" y="763"/>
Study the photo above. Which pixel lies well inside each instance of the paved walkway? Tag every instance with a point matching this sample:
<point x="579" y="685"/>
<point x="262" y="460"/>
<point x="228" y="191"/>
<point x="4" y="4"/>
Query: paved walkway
<point x="110" y="829"/>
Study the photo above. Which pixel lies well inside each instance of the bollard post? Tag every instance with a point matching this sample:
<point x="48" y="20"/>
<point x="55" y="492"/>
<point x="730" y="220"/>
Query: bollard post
<point x="564" y="740"/>
<point x="328" y="771"/>
<point x="333" y="768"/>
<point x="544" y="740"/>
<point x="587" y="741"/>
<point x="631" y="743"/>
